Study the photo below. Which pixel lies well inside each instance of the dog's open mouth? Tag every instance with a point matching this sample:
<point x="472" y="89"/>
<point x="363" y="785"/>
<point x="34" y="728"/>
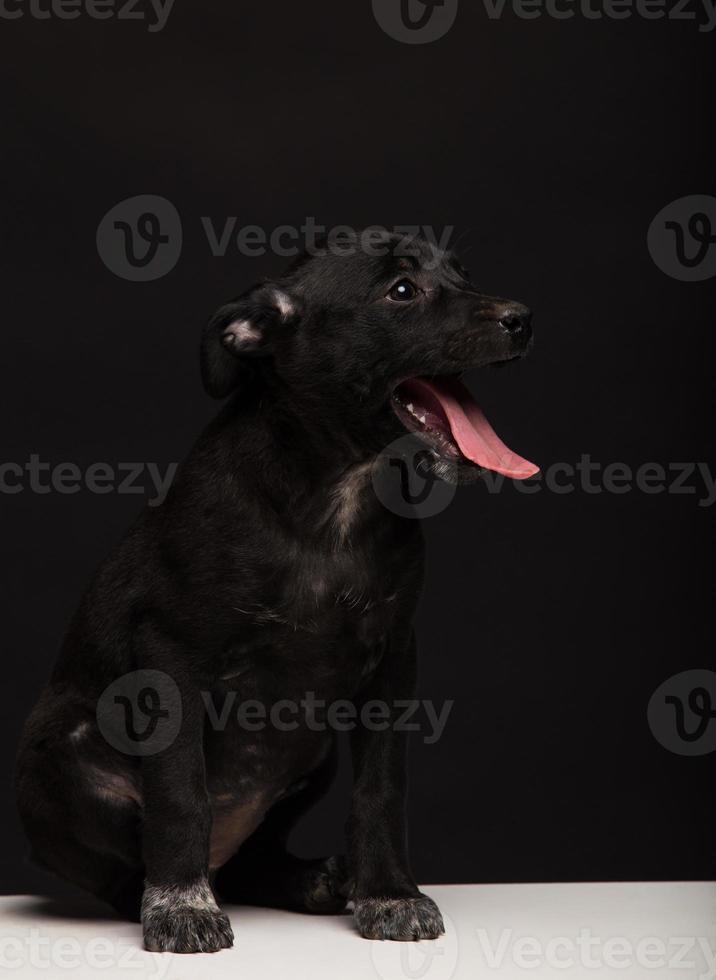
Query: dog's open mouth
<point x="443" y="413"/>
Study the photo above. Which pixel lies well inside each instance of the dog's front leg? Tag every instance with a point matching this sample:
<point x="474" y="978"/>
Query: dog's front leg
<point x="388" y="903"/>
<point x="179" y="911"/>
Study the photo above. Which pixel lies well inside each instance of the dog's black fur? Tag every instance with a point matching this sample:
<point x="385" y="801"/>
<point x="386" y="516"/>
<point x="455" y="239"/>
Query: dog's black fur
<point x="271" y="570"/>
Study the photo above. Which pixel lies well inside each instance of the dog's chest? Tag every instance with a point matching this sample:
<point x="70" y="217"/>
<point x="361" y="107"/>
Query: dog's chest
<point x="326" y="620"/>
<point x="349" y="595"/>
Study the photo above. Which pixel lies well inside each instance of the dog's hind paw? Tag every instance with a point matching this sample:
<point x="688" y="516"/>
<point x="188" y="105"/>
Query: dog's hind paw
<point x="324" y="887"/>
<point x="402" y="919"/>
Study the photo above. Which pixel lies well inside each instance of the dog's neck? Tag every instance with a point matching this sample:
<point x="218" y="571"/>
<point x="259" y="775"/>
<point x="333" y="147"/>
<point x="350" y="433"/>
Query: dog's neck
<point x="319" y="479"/>
<point x="350" y="495"/>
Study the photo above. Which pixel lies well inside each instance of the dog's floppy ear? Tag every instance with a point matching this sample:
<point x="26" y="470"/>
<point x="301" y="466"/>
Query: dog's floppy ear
<point x="240" y="332"/>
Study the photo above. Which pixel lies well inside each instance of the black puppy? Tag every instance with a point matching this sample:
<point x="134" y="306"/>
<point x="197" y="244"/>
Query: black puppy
<point x="271" y="570"/>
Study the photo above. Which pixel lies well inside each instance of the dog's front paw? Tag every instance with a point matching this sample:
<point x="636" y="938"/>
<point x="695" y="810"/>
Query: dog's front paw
<point x="398" y="918"/>
<point x="183" y="921"/>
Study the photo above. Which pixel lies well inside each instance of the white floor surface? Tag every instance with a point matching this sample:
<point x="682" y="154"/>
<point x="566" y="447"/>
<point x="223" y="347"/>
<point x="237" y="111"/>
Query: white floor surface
<point x="628" y="930"/>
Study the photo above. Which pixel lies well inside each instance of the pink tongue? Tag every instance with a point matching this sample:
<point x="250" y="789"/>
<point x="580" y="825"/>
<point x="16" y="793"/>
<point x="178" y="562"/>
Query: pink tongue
<point x="474" y="435"/>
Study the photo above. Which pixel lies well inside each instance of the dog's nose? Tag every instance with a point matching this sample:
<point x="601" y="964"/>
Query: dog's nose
<point x="516" y="319"/>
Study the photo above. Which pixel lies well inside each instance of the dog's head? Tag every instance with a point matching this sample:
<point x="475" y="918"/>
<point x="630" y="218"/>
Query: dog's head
<point x="367" y="340"/>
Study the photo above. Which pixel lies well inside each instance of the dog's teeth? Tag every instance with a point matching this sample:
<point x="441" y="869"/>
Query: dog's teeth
<point x="421" y="418"/>
<point x="409" y="406"/>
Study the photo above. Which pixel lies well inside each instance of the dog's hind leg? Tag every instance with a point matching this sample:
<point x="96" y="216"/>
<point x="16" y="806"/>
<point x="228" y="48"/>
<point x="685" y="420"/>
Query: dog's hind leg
<point x="82" y="816"/>
<point x="277" y="879"/>
<point x="115" y="879"/>
<point x="264" y="873"/>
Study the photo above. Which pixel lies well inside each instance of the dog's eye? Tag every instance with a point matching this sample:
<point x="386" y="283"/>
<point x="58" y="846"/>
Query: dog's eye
<point x="403" y="291"/>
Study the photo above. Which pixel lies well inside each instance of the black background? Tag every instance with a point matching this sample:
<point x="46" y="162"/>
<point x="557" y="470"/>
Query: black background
<point x="550" y="146"/>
